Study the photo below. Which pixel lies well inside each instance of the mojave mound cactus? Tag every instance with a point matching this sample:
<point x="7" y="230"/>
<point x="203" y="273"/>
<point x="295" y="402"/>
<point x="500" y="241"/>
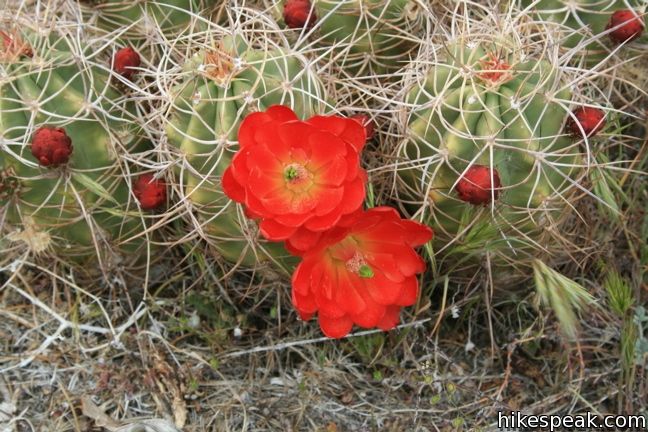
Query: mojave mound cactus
<point x="63" y="130"/>
<point x="220" y="86"/>
<point x="487" y="161"/>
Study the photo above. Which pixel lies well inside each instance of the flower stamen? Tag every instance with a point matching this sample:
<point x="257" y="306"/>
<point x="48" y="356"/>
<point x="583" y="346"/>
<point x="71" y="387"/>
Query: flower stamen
<point x="295" y="173"/>
<point x="359" y="266"/>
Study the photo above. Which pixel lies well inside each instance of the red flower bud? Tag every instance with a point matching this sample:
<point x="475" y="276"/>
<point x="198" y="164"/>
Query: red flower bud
<point x="299" y="14"/>
<point x="150" y="193"/>
<point x="475" y="185"/>
<point x="591" y="120"/>
<point x="124" y="61"/>
<point x="627" y="26"/>
<point x="51" y="146"/>
<point x="367" y="123"/>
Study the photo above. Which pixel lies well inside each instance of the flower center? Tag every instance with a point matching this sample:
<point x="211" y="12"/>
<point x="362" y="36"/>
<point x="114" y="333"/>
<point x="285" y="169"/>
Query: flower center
<point x="359" y="266"/>
<point x="295" y="173"/>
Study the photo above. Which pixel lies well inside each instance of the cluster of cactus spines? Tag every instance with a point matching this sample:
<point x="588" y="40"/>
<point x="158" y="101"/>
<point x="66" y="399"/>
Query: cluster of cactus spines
<point x="136" y="20"/>
<point x="228" y="78"/>
<point x="362" y="38"/>
<point x="492" y="153"/>
<point x="63" y="130"/>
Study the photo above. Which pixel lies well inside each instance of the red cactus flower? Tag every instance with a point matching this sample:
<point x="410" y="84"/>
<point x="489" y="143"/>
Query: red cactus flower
<point x="361" y="272"/>
<point x="299" y="14"/>
<point x="476" y="185"/>
<point x="627" y="26"/>
<point x="51" y="146"/>
<point x="588" y="120"/>
<point x="367" y="123"/>
<point x="298" y="177"/>
<point x="124" y="61"/>
<point x="150" y="192"/>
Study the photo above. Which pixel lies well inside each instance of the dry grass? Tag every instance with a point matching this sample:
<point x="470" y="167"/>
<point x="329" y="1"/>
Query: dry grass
<point x="202" y="347"/>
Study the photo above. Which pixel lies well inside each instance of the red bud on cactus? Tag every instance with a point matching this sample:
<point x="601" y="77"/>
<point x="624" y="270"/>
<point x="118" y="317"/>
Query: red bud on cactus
<point x="150" y="193"/>
<point x="591" y="120"/>
<point x="299" y="14"/>
<point x="51" y="146"/>
<point x="627" y="26"/>
<point x="475" y="185"/>
<point x="124" y="61"/>
<point x="367" y="123"/>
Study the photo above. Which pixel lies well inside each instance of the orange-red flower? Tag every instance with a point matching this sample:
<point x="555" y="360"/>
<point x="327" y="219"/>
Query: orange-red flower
<point x="299" y="178"/>
<point x="361" y="272"/>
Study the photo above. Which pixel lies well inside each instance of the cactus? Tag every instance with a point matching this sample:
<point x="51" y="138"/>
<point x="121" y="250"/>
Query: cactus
<point x="62" y="129"/>
<point x="220" y="87"/>
<point x="366" y="37"/>
<point x="585" y="19"/>
<point x="137" y="18"/>
<point x="486" y="153"/>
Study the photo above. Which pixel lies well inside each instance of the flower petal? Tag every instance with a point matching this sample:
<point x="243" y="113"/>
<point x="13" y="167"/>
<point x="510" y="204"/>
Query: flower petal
<point x="328" y="200"/>
<point x="382" y="290"/>
<point x="324" y="147"/>
<point x="231" y="187"/>
<point x="409" y="292"/>
<point x="261" y="184"/>
<point x="281" y="113"/>
<point x="249" y="126"/>
<point x="303" y="240"/>
<point x="354" y="196"/>
<point x="322" y="223"/>
<point x="347" y="296"/>
<point x="335" y="327"/>
<point x="304" y="304"/>
<point x="390" y="319"/>
<point x="387" y="263"/>
<point x="273" y="231"/>
<point x="334" y="173"/>
<point x="371" y="314"/>
<point x="417" y="234"/>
